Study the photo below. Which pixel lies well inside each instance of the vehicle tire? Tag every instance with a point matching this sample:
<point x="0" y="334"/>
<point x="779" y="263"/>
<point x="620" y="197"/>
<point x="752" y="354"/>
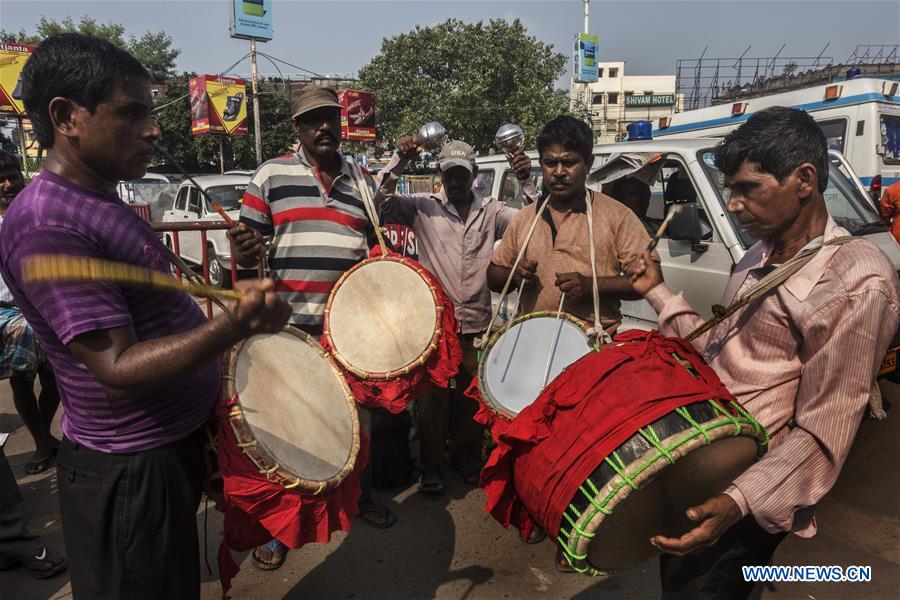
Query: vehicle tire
<point x="219" y="275"/>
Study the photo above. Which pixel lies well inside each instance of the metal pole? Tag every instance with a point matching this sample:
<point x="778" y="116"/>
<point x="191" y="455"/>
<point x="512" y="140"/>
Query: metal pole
<point x="587" y="15"/>
<point x="254" y="86"/>
<point x="23" y="147"/>
<point x="221" y="156"/>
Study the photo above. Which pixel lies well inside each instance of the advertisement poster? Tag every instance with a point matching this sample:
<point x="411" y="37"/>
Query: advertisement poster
<point x="357" y="115"/>
<point x="12" y="59"/>
<point x="218" y="105"/>
<point x="585" y="52"/>
<point x="251" y="19"/>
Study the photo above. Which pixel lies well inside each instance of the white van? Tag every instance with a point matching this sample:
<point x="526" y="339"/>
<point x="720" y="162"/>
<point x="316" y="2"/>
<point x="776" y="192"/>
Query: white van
<point x="190" y="205"/>
<point x="859" y="117"/>
<point x="702" y="246"/>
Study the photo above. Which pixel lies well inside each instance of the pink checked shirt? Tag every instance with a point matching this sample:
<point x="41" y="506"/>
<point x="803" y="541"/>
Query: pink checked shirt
<point x="802" y="360"/>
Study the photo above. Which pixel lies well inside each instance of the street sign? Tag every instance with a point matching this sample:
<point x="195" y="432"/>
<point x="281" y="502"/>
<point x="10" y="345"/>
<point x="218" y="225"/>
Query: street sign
<point x="650" y="100"/>
<point x="251" y="19"/>
<point x="585" y="54"/>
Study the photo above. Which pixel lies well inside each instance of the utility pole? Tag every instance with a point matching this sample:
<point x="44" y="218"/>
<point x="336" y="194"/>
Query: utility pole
<point x="587" y="16"/>
<point x="255" y="87"/>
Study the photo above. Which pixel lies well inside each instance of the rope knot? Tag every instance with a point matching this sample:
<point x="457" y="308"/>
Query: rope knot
<point x="718" y="310"/>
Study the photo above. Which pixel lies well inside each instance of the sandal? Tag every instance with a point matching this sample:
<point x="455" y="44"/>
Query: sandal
<point x="377" y="516"/>
<point x="469" y="471"/>
<point x="537" y="536"/>
<point x="276" y="550"/>
<point x="37" y="466"/>
<point x="431" y="482"/>
<point x="562" y="563"/>
<point x="44" y="564"/>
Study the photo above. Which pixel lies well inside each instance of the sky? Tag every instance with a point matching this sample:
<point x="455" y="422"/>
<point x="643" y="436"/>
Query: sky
<point x="338" y="37"/>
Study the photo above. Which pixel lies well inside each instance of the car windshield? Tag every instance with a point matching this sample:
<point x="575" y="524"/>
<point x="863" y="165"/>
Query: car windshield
<point x="227" y="196"/>
<point x="844" y="201"/>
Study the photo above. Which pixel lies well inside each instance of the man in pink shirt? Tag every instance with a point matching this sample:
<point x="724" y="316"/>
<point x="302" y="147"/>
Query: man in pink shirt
<point x="802" y="358"/>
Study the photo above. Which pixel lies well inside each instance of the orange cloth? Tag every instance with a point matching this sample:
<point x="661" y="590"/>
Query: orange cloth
<point x="890" y="208"/>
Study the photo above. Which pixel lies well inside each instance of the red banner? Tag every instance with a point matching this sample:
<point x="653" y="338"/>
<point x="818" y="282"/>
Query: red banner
<point x="357" y="115"/>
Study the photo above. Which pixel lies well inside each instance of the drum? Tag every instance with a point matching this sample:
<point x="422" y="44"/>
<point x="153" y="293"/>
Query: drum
<point x="643" y="488"/>
<point x="525" y="355"/>
<point x="294" y="416"/>
<point x="383" y="318"/>
<point x="617" y="447"/>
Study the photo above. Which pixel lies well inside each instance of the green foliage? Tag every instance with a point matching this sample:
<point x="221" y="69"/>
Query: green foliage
<point x="154" y="50"/>
<point x="471" y="77"/>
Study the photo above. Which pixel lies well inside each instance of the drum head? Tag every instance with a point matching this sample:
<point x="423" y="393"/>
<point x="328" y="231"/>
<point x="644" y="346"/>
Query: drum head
<point x="512" y="370"/>
<point x="382" y="317"/>
<point x="296" y="404"/>
<point x="657" y="508"/>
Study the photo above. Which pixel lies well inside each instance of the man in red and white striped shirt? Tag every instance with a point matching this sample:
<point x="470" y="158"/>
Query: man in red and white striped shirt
<point x="802" y="359"/>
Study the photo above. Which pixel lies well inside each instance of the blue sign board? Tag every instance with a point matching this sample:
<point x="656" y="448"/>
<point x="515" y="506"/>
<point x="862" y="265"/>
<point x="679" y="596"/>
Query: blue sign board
<point x="251" y="19"/>
<point x="585" y="54"/>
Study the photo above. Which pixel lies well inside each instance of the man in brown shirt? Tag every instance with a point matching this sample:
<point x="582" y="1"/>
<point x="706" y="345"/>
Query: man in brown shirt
<point x="558" y="259"/>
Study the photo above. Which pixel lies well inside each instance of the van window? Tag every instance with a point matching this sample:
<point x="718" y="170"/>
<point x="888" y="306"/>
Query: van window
<point x="181" y="199"/>
<point x="511" y="188"/>
<point x="227" y="196"/>
<point x="194" y="201"/>
<point x="890" y="138"/>
<point x="484" y="182"/>
<point x="834" y="132"/>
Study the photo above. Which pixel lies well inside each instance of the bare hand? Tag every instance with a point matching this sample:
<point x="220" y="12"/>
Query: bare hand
<point x="408" y="147"/>
<point x="247" y="241"/>
<point x="644" y="273"/>
<point x="573" y="285"/>
<point x="716" y="516"/>
<point x="520" y="164"/>
<point x="526" y="271"/>
<point x="260" y="309"/>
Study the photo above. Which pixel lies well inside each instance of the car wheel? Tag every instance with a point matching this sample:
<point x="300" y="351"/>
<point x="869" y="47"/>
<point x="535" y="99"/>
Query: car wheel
<point x="219" y="276"/>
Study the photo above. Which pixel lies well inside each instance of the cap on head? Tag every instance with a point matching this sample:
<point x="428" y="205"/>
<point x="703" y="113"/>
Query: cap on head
<point x="310" y="97"/>
<point x="457" y="154"/>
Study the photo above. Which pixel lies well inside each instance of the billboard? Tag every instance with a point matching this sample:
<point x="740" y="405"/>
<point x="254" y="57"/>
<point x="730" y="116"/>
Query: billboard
<point x="585" y="54"/>
<point x="218" y="105"/>
<point x="251" y="19"/>
<point x="12" y="59"/>
<point x="650" y="100"/>
<point x="357" y="115"/>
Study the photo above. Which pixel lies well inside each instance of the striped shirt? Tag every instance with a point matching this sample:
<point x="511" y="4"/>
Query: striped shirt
<point x="54" y="216"/>
<point x="317" y="233"/>
<point x="802" y="360"/>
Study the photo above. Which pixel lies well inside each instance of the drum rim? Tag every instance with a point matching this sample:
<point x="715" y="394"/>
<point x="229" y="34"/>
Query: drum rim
<point x="488" y="398"/>
<point x="645" y="468"/>
<point x="405" y="369"/>
<point x="257" y="451"/>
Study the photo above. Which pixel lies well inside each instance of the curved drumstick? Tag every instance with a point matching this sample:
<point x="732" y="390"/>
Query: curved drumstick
<point x="555" y="341"/>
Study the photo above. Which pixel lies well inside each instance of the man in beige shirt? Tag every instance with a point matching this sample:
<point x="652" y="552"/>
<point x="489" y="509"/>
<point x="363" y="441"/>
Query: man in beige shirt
<point x="557" y="259"/>
<point x="802" y="359"/>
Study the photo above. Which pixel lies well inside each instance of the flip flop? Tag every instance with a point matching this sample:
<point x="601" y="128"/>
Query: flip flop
<point x="36" y="467"/>
<point x="431" y="483"/>
<point x="44" y="564"/>
<point x="274" y="546"/>
<point x="379" y="517"/>
<point x="537" y="536"/>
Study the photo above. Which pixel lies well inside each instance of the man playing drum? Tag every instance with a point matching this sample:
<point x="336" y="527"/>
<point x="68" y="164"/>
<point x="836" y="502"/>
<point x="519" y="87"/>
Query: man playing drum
<point x="309" y="205"/>
<point x="785" y="355"/>
<point x="137" y="367"/>
<point x="456" y="229"/>
<point x="557" y="259"/>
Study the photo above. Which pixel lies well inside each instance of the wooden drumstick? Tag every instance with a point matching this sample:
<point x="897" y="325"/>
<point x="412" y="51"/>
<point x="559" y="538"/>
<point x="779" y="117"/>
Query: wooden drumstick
<point x="42" y="268"/>
<point x="231" y="222"/>
<point x="555" y="341"/>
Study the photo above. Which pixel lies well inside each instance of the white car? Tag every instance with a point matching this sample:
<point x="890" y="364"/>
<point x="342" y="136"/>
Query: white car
<point x="191" y="206"/>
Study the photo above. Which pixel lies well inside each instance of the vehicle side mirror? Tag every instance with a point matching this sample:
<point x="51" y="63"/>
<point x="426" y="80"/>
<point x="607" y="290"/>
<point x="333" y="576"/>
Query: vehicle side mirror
<point x="685" y="225"/>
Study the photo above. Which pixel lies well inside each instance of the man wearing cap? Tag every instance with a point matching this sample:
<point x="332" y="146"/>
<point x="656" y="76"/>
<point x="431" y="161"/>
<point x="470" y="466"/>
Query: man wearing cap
<point x="308" y="204"/>
<point x="456" y="228"/>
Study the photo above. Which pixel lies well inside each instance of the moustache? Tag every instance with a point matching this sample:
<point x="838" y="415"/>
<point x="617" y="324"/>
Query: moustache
<point x="325" y="136"/>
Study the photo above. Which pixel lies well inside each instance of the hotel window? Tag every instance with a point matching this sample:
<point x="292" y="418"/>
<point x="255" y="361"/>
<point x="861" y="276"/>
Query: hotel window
<point x="598" y="99"/>
<point x="613" y="98"/>
<point x="614" y="72"/>
<point x="599" y="73"/>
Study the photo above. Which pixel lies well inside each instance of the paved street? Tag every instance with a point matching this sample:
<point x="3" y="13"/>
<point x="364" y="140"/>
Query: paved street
<point x="449" y="548"/>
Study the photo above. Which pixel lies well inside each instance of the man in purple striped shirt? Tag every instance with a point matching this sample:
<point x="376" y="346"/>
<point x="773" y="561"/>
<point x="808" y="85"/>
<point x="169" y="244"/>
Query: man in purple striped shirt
<point x="784" y="356"/>
<point x="137" y="368"/>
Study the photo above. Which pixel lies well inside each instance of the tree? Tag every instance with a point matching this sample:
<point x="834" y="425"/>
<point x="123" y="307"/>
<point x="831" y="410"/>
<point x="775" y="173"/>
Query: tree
<point x="154" y="50"/>
<point x="471" y="77"/>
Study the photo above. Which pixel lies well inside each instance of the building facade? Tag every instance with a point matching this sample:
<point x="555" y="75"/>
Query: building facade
<point x="617" y="99"/>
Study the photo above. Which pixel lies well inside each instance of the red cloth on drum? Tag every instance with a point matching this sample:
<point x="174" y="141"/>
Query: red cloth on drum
<point x="257" y="510"/>
<point x="443" y="364"/>
<point x="486" y="415"/>
<point x="589" y="410"/>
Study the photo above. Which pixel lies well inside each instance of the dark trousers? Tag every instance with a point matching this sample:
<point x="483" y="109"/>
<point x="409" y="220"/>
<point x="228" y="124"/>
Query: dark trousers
<point x="448" y="413"/>
<point x="715" y="573"/>
<point x="130" y="520"/>
<point x="15" y="540"/>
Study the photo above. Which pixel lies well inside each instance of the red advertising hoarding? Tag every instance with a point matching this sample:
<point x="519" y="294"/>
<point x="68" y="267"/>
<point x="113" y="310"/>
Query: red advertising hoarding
<point x="218" y="105"/>
<point x="357" y="115"/>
